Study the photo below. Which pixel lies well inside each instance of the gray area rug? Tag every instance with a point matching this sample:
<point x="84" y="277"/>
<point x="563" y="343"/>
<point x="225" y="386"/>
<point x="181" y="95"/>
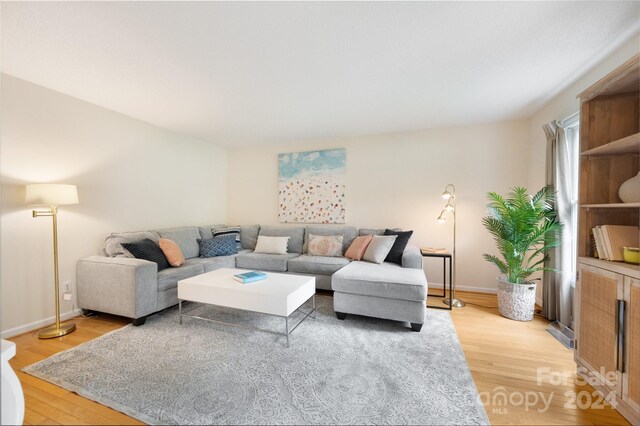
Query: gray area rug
<point x="358" y="371"/>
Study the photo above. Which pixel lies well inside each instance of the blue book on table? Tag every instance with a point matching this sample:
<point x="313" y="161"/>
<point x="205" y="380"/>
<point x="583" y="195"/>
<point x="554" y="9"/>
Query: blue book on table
<point x="249" y="277"/>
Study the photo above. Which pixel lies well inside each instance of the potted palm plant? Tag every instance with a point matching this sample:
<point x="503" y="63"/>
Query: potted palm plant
<point x="524" y="227"/>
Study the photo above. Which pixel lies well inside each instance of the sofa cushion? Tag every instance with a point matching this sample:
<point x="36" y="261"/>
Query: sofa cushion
<point x="348" y="234"/>
<point x="147" y="250"/>
<point x="382" y="280"/>
<point x="113" y="243"/>
<point x="395" y="255"/>
<point x="206" y="232"/>
<point x="221" y="245"/>
<point x="186" y="237"/>
<point x="296" y="235"/>
<point x="264" y="262"/>
<point x="168" y="278"/>
<point x="307" y="264"/>
<point x="213" y="263"/>
<point x="249" y="236"/>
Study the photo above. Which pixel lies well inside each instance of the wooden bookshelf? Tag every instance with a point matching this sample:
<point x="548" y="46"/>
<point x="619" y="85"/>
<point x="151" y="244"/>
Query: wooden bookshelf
<point x="610" y="154"/>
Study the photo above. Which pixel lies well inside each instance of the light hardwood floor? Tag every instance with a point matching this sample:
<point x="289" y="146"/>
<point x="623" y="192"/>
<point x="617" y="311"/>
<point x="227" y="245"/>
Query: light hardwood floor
<point x="504" y="357"/>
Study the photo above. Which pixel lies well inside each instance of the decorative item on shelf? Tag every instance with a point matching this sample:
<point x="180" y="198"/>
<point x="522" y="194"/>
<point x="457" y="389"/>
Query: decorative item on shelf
<point x="629" y="191"/>
<point x="53" y="195"/>
<point x="449" y="194"/>
<point x="524" y="227"/>
<point x="632" y="255"/>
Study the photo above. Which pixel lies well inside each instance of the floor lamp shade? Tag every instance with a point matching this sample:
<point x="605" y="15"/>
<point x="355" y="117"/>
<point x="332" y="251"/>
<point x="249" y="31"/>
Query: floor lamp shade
<point x="53" y="195"/>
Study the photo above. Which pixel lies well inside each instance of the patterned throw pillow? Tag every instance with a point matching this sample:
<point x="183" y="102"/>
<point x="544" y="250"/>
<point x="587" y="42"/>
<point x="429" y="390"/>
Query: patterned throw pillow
<point x="171" y="251"/>
<point x="325" y="245"/>
<point x="232" y="230"/>
<point x="147" y="250"/>
<point x="222" y="245"/>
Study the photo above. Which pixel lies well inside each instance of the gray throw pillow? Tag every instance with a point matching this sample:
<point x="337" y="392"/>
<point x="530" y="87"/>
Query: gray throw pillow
<point x="379" y="248"/>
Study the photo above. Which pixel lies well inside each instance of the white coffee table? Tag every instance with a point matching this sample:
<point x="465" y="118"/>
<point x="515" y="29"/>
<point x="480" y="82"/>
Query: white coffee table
<point x="278" y="295"/>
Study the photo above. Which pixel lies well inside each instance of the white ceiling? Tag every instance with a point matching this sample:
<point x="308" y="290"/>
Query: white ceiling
<point x="242" y="73"/>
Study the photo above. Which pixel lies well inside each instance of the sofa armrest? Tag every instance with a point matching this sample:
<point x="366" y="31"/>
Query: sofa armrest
<point x="411" y="257"/>
<point x="117" y="285"/>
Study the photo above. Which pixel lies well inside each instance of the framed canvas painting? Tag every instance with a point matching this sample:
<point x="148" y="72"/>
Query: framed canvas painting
<point x="311" y="186"/>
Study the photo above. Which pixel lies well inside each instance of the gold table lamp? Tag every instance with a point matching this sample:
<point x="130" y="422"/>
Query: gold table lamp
<point x="53" y="195"/>
<point x="449" y="194"/>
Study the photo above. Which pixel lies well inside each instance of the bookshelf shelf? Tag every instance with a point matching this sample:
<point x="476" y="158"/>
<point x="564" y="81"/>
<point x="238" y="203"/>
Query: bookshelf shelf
<point x="617" y="267"/>
<point x="627" y="145"/>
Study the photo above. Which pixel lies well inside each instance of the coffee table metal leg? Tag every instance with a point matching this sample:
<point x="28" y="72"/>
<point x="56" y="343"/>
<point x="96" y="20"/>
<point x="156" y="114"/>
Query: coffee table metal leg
<point x="286" y="324"/>
<point x="314" y="306"/>
<point x="180" y="310"/>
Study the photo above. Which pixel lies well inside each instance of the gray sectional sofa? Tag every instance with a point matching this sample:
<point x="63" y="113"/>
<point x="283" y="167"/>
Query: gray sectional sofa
<point x="116" y="283"/>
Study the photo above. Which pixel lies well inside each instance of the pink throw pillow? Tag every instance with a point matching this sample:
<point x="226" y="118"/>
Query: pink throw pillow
<point x="358" y="247"/>
<point x="171" y="251"/>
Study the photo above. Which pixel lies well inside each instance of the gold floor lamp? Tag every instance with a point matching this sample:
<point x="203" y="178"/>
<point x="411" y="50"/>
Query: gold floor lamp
<point x="449" y="194"/>
<point x="53" y="195"/>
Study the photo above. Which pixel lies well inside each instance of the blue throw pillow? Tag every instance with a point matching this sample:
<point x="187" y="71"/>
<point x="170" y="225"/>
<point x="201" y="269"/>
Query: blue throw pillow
<point x="222" y="245"/>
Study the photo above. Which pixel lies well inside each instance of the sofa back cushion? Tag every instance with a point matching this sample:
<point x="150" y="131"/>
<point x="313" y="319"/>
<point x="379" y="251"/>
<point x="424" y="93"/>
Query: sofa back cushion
<point x="249" y="236"/>
<point x="348" y="234"/>
<point x="370" y="231"/>
<point x="295" y="234"/>
<point x="186" y="237"/>
<point x="206" y="232"/>
<point x="113" y="243"/>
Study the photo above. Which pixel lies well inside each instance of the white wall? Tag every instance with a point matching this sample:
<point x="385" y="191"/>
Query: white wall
<point x="130" y="176"/>
<point x="562" y="106"/>
<point x="396" y="180"/>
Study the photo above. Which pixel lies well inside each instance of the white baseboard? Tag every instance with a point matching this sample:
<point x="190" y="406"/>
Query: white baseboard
<point x="476" y="289"/>
<point x="38" y="324"/>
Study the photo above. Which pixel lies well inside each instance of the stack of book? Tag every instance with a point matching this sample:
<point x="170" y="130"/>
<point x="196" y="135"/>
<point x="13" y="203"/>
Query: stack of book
<point x="611" y="239"/>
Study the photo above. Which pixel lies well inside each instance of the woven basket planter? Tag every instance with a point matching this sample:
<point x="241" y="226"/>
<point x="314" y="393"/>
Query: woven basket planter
<point x="516" y="301"/>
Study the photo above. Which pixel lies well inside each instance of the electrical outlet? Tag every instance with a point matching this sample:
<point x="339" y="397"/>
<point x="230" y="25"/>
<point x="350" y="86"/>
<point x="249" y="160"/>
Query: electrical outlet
<point x="67" y="287"/>
<point x="67" y="296"/>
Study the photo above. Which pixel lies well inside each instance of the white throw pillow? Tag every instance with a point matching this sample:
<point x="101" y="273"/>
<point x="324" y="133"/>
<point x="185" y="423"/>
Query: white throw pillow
<point x="271" y="245"/>
<point x="379" y="248"/>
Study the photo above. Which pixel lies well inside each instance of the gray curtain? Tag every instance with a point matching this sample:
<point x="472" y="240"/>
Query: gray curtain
<point x="562" y="175"/>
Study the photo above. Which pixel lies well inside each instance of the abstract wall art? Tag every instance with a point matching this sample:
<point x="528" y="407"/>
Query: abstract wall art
<point x="312" y="186"/>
